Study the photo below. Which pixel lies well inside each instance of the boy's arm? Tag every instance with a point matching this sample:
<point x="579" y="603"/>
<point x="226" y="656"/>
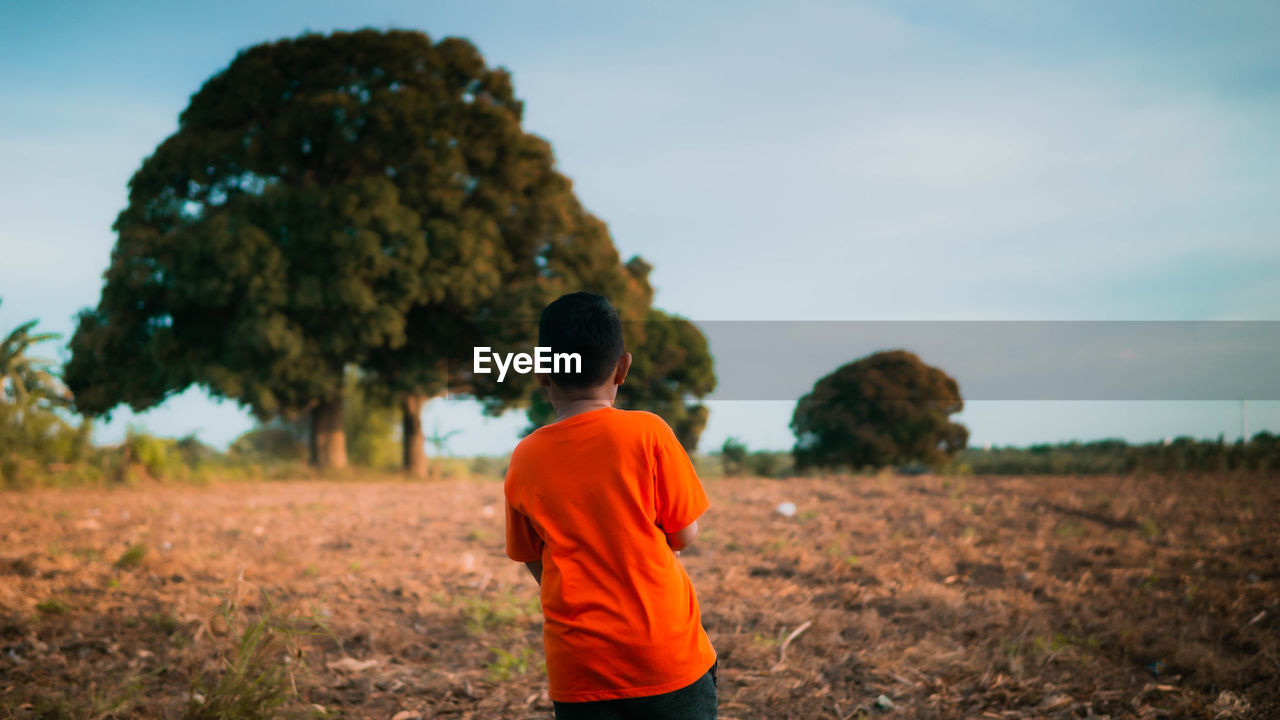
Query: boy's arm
<point x="535" y="569"/>
<point x="683" y="538"/>
<point x="523" y="542"/>
<point x="678" y="495"/>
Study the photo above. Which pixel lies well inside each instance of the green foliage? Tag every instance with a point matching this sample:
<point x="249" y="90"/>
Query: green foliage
<point x="733" y="455"/>
<point x="52" y="606"/>
<point x="449" y="469"/>
<point x="1149" y="528"/>
<point x="488" y="466"/>
<point x="132" y="557"/>
<point x="736" y="460"/>
<point x="363" y="198"/>
<point x="764" y="463"/>
<point x="670" y="363"/>
<point x="26" y="380"/>
<point x="34" y="431"/>
<point x="508" y="664"/>
<point x="887" y="408"/>
<point x="194" y="453"/>
<point x="370" y="426"/>
<point x="488" y="614"/>
<point x="253" y="679"/>
<point x="110" y="699"/>
<point x="275" y="440"/>
<point x="159" y="456"/>
<point x="1115" y="457"/>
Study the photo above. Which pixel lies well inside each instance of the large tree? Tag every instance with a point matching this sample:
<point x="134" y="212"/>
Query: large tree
<point x="576" y="253"/>
<point x="361" y="198"/>
<point x="887" y="408"/>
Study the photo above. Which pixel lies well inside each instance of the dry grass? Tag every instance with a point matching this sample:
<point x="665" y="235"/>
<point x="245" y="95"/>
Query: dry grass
<point x="949" y="597"/>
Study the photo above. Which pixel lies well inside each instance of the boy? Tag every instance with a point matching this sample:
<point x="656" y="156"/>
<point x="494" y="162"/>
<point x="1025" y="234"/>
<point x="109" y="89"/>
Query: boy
<point x="598" y="504"/>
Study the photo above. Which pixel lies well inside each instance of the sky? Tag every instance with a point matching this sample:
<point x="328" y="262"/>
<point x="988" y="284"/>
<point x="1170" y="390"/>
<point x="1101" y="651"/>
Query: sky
<point x="973" y="160"/>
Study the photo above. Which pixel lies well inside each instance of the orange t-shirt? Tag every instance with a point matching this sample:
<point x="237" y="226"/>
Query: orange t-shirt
<point x="593" y="497"/>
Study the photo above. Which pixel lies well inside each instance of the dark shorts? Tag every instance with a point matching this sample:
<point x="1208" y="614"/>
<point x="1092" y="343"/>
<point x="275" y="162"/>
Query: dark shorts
<point x="692" y="702"/>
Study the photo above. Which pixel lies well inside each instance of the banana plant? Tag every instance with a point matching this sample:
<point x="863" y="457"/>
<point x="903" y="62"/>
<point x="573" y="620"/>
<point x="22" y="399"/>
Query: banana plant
<point x="24" y="378"/>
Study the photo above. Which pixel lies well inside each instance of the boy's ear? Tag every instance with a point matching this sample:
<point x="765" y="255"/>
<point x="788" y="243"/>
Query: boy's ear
<point x="620" y="372"/>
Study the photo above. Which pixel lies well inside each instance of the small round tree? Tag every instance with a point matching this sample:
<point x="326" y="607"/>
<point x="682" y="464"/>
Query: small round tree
<point x="887" y="408"/>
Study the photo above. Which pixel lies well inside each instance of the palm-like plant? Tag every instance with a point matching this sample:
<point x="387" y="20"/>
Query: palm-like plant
<point x="24" y="378"/>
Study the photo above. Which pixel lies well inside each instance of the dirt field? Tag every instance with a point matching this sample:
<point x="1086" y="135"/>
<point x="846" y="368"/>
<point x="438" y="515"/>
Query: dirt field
<point x="912" y="597"/>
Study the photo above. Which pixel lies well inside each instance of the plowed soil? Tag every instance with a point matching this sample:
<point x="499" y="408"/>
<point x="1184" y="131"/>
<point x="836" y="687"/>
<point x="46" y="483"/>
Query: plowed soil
<point x="912" y="597"/>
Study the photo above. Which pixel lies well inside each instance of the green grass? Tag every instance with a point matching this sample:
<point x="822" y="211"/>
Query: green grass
<point x="764" y="642"/>
<point x="162" y="622"/>
<point x="778" y="544"/>
<point x="507" y="665"/>
<point x="113" y="701"/>
<point x="87" y="554"/>
<point x="1070" y="529"/>
<point x="52" y="606"/>
<point x="254" y="675"/>
<point x="1148" y="527"/>
<point x="484" y="615"/>
<point x="132" y="557"/>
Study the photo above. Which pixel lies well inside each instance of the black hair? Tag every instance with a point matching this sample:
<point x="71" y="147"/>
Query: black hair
<point x="586" y="324"/>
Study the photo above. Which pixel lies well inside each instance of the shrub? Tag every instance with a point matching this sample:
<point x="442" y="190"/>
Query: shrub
<point x="733" y="456"/>
<point x="275" y="440"/>
<point x="765" y="463"/>
<point x="159" y="456"/>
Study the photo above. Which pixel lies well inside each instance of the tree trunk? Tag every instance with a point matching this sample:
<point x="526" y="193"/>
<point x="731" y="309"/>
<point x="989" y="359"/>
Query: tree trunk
<point x="328" y="440"/>
<point x="415" y="451"/>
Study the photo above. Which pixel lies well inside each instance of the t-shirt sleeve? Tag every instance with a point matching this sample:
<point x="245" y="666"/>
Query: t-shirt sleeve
<point x="523" y="542"/>
<point x="678" y="494"/>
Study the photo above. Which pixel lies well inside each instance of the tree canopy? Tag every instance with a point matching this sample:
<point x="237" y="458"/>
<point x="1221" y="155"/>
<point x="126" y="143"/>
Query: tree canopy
<point x="887" y="408"/>
<point x="364" y="198"/>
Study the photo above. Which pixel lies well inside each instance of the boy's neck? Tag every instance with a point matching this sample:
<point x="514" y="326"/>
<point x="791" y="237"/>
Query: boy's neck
<point x="575" y="402"/>
<point x="570" y="402"/>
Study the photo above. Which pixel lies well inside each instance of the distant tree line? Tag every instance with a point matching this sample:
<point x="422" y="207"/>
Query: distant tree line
<point x="1261" y="454"/>
<point x="1103" y="457"/>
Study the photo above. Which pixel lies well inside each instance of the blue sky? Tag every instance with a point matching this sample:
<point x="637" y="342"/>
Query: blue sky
<point x="982" y="160"/>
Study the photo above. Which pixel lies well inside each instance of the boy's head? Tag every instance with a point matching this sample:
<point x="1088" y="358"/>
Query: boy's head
<point x="586" y="324"/>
